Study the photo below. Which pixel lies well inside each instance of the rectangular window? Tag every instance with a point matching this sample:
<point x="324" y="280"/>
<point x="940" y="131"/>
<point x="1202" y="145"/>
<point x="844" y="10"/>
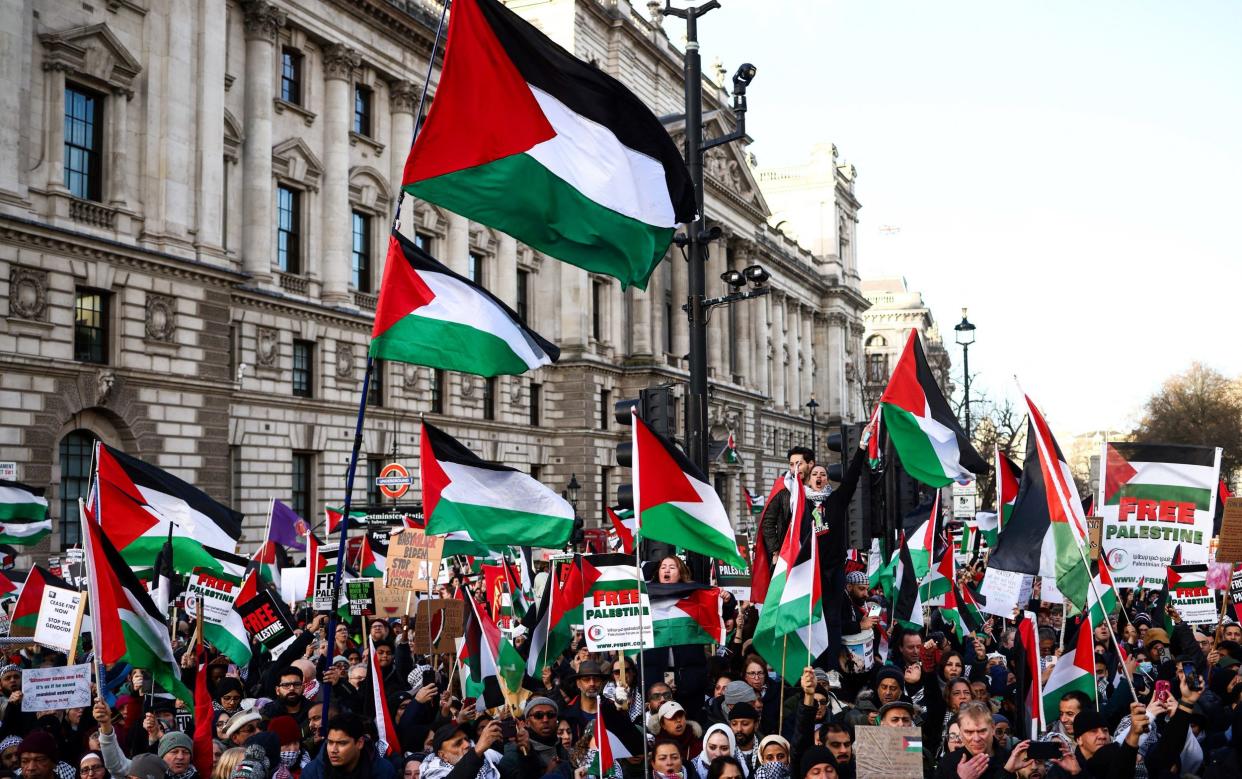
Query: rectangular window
<point x="605" y="408"/>
<point x="597" y="310"/>
<point x="536" y="404"/>
<point x="605" y="484"/>
<point x="423" y="241"/>
<point x="437" y="391"/>
<point x="374" y="498"/>
<point x="291" y="76"/>
<point x="362" y="110"/>
<point x="303" y="369"/>
<point x="375" y="392"/>
<point x="474" y="268"/>
<point x="489" y="398"/>
<point x="300" y="494"/>
<point x="83" y="143"/>
<point x="289" y="229"/>
<point x="90" y="326"/>
<point x="522" y="303"/>
<point x="877" y="368"/>
<point x="361" y="252"/>
<point x="669" y="312"/>
<point x="536" y="472"/>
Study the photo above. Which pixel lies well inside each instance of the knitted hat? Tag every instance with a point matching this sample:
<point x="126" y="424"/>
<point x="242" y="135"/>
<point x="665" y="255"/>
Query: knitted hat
<point x="738" y="692"/>
<point x="147" y="766"/>
<point x="286" y="729"/>
<point x="539" y="700"/>
<point x="9" y="741"/>
<point x="816" y="756"/>
<point x="174" y="739"/>
<point x="743" y="711"/>
<point x="888" y="672"/>
<point x="269" y="743"/>
<point x="1087" y="721"/>
<point x="9" y="668"/>
<point x="38" y="742"/>
<point x="856" y="577"/>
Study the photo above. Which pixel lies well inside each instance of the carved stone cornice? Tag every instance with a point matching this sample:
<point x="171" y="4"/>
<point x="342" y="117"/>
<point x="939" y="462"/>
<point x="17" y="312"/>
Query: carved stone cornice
<point x="262" y="20"/>
<point x="340" y="61"/>
<point x="403" y="97"/>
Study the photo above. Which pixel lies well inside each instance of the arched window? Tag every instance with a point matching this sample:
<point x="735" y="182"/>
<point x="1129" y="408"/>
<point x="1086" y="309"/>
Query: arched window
<point x="76" y="449"/>
<point x="877" y="340"/>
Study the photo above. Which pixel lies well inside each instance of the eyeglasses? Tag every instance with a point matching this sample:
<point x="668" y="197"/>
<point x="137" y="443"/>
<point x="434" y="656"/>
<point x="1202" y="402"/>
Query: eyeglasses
<point x="91" y="769"/>
<point x="289" y="685"/>
<point x="756" y="674"/>
<point x="664" y="696"/>
<point x="541" y="715"/>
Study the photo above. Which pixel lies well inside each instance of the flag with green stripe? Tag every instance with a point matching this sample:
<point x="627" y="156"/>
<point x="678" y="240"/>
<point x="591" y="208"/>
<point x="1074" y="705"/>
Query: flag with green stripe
<point x="685" y="613"/>
<point x="24" y="519"/>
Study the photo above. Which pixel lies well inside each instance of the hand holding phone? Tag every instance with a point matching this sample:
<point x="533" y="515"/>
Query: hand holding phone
<point x="1044" y="750"/>
<point x="1161" y="692"/>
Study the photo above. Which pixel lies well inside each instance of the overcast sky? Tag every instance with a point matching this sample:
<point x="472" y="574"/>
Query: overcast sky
<point x="1068" y="170"/>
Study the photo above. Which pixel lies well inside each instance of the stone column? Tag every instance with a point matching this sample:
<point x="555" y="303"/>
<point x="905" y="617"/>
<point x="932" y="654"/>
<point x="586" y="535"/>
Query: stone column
<point x="402" y="103"/>
<point x="808" y="356"/>
<point x="339" y="62"/>
<point x="209" y="227"/>
<point x="822" y="361"/>
<point x="655" y="294"/>
<point x="836" y="344"/>
<point x="575" y="307"/>
<point x="505" y="284"/>
<point x="779" y="372"/>
<point x="118" y="154"/>
<point x="262" y="21"/>
<point x="56" y="126"/>
<point x="640" y="320"/>
<point x="681" y="331"/>
<point x="457" y="243"/>
<point x="762" y="352"/>
<point x="16" y="18"/>
<point x="745" y="312"/>
<point x="716" y="356"/>
<point x="793" y="337"/>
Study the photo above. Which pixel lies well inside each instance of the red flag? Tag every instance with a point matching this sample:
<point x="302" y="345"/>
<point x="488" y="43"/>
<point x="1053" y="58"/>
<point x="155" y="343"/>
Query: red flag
<point x="761" y="563"/>
<point x="204" y="719"/>
<point x="383" y="717"/>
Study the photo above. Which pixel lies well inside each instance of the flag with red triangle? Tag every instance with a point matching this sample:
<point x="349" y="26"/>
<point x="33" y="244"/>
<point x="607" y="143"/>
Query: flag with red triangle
<point x="624" y="525"/>
<point x="387" y="744"/>
<point x="761" y="574"/>
<point x="25" y="615"/>
<point x="1008" y="477"/>
<point x="1074" y="671"/>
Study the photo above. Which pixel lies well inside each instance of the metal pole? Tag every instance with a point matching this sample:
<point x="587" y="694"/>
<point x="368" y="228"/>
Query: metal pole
<point x="966" y="370"/>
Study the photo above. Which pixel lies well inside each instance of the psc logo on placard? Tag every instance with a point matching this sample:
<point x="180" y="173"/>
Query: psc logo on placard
<point x="596" y="632"/>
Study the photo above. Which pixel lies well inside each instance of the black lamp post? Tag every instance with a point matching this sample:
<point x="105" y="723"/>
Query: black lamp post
<point x="965" y="337"/>
<point x="813" y="406"/>
<point x="572" y="489"/>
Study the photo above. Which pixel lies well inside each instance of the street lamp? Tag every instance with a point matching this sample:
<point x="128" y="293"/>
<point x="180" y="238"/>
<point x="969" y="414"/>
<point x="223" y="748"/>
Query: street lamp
<point x="813" y="406"/>
<point x="572" y="488"/>
<point x="965" y="333"/>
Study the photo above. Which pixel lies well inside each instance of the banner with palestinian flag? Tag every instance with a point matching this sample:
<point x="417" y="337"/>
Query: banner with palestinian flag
<point x="387" y="743"/>
<point x="527" y="138"/>
<point x="25" y="615"/>
<point x="616" y="612"/>
<point x="429" y="315"/>
<point x="1074" y="671"/>
<point x="925" y="432"/>
<point x="549" y="625"/>
<point x="496" y="504"/>
<point x="223" y="627"/>
<point x="126" y="624"/>
<point x="1154" y="497"/>
<point x="136" y="503"/>
<point x="674" y="501"/>
<point x="685" y="613"/>
<point x="24" y="519"/>
<point x="1189" y="593"/>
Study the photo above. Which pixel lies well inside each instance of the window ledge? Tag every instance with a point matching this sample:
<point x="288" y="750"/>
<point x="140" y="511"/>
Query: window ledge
<point x="92" y="213"/>
<point x="282" y="105"/>
<point x="365" y="300"/>
<point x="291" y="282"/>
<point x="29" y="326"/>
<point x="356" y="138"/>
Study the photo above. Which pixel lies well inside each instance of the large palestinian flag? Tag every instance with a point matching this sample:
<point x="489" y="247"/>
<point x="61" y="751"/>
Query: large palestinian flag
<point x="674" y="501"/>
<point x="1102" y="596"/>
<point x="908" y="608"/>
<point x="126" y="624"/>
<point x="1008" y="478"/>
<point x="929" y="440"/>
<point x="548" y="625"/>
<point x="24" y="519"/>
<point x="136" y="504"/>
<point x="1154" y="497"/>
<point x="497" y="505"/>
<point x="25" y="616"/>
<point x="429" y="315"/>
<point x="685" y="613"/>
<point x="527" y="138"/>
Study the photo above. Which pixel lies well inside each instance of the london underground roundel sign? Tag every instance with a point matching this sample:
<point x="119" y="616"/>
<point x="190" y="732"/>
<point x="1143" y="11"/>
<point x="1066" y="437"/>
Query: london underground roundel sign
<point x="393" y="480"/>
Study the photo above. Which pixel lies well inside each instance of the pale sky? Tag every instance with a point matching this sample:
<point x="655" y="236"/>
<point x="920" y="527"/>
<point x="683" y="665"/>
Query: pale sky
<point x="1069" y="170"/>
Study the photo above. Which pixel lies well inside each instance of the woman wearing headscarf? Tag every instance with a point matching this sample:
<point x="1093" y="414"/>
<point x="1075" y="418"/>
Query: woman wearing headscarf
<point x="717" y="741"/>
<point x="91" y="766"/>
<point x="228" y="696"/>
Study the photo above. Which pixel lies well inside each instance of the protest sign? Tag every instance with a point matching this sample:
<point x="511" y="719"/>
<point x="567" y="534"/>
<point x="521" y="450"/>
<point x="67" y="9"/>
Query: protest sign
<point x="616" y="613"/>
<point x="733" y="579"/>
<point x="61" y="687"/>
<point x="1189" y="594"/>
<point x="1048" y="592"/>
<point x="438" y="623"/>
<point x="1095" y="526"/>
<point x="58" y="614"/>
<point x="1218" y="575"/>
<point x="413" y="559"/>
<point x="1230" y="539"/>
<point x="390" y="602"/>
<point x="75" y="567"/>
<point x="1006" y="590"/>
<point x="1153" y="498"/>
<point x="1235" y="593"/>
<point x="360" y="593"/>
<point x="860" y="649"/>
<point x="265" y="620"/>
<point x="321" y="600"/>
<point x="888" y="753"/>
<point x="216" y="595"/>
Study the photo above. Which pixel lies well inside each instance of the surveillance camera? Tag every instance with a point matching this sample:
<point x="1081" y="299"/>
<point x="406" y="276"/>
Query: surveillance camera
<point x="744" y="75"/>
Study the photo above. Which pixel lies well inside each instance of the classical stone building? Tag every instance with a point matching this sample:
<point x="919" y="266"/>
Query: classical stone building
<point x="895" y="309"/>
<point x="194" y="200"/>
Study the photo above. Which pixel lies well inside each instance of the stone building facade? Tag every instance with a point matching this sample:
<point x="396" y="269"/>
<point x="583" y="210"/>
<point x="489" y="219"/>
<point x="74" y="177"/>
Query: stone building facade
<point x="895" y="310"/>
<point x="192" y="226"/>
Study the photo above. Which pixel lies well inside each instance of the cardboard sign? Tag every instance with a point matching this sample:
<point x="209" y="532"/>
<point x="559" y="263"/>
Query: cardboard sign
<point x="58" y="613"/>
<point x="322" y="599"/>
<point x="413" y="559"/>
<point x="1190" y="595"/>
<point x="62" y="687"/>
<point x="75" y="567"/>
<point x="888" y="753"/>
<point x="1235" y="593"/>
<point x="1005" y="590"/>
<point x="391" y="602"/>
<point x="1230" y="539"/>
<point x="360" y="593"/>
<point x="265" y="620"/>
<point x="1095" y="526"/>
<point x="438" y="623"/>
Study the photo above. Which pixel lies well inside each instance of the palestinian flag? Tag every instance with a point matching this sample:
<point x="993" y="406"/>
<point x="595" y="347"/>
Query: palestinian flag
<point x="387" y="743"/>
<point x="316" y="562"/>
<point x="685" y="613"/>
<point x="1008" y="477"/>
<point x="1146" y="489"/>
<point x="911" y="743"/>
<point x="960" y="612"/>
<point x="127" y="626"/>
<point x="137" y="505"/>
<point x="931" y="444"/>
<point x="548" y="626"/>
<point x="371" y="564"/>
<point x="222" y="624"/>
<point x="873" y="432"/>
<point x="674" y="501"/>
<point x="943" y="576"/>
<point x="925" y="540"/>
<point x="497" y="505"/>
<point x="1074" y="671"/>
<point x="731" y="455"/>
<point x="1164" y="600"/>
<point x="1028" y="675"/>
<point x="908" y="609"/>
<point x="624" y="524"/>
<point x="459" y="542"/>
<point x="792" y="631"/>
<point x="332" y="517"/>
<point x="616" y="738"/>
<point x="24" y="519"/>
<point x="8" y="590"/>
<point x="25" y="615"/>
<point x="429" y="315"/>
<point x="879" y="572"/>
<point x="1064" y="508"/>
<point x="266" y="561"/>
<point x="753" y="500"/>
<point x="526" y="138"/>
<point x="479" y="651"/>
<point x="1102" y="597"/>
<point x="761" y="574"/>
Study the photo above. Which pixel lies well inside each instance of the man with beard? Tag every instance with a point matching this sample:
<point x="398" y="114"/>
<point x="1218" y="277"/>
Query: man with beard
<point x="540" y="715"/>
<point x="589" y="679"/>
<point x="744" y="722"/>
<point x="452" y="753"/>
<point x="175" y="748"/>
<point x="289" y="698"/>
<point x="774" y="522"/>
<point x="348" y="754"/>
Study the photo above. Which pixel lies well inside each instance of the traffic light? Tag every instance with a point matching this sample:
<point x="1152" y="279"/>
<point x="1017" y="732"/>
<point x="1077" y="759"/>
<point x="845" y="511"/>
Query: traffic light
<point x="846" y="441"/>
<point x="656" y="406"/>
